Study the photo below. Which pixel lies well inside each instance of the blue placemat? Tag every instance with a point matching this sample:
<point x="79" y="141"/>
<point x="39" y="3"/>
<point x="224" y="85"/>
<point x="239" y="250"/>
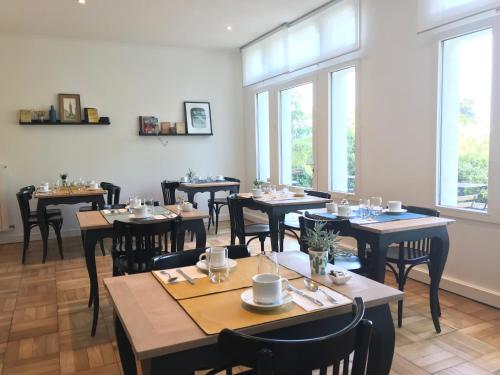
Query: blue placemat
<point x="384" y="218"/>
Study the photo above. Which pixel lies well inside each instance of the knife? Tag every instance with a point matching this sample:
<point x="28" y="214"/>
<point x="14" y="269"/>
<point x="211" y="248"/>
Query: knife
<point x="186" y="276"/>
<point x="301" y="293"/>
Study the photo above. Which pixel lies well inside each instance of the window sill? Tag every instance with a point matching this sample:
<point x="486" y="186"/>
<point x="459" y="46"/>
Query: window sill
<point x="463" y="213"/>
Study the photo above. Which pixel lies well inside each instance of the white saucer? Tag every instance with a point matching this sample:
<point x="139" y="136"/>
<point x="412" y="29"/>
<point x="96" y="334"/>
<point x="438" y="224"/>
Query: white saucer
<point x="93" y="188"/>
<point x="401" y="211"/>
<point x="352" y="216"/>
<point x="133" y="217"/>
<point x="203" y="267"/>
<point x="247" y="299"/>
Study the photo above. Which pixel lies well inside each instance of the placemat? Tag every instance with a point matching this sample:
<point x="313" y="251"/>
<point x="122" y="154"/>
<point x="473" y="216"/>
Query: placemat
<point x="213" y="313"/>
<point x="377" y="219"/>
<point x="122" y="214"/>
<point x="240" y="278"/>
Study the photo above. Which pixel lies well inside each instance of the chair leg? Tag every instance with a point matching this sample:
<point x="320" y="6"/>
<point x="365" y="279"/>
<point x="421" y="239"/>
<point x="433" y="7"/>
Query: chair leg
<point x="210" y="214"/>
<point x="91" y="299"/>
<point x="262" y="240"/>
<point x="57" y="229"/>
<point x="26" y="242"/>
<point x="217" y="212"/>
<point x="282" y="238"/>
<point x="101" y="245"/>
<point x="401" y="285"/>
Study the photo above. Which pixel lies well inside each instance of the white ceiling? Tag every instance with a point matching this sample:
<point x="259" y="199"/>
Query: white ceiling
<point x="189" y="23"/>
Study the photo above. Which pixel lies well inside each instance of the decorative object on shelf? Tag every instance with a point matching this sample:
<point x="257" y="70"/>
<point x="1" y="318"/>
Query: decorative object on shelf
<point x="322" y="244"/>
<point x="39" y="115"/>
<point x="69" y="108"/>
<point x="91" y="115"/>
<point x="104" y="121"/>
<point x="64" y="179"/>
<point x="198" y="118"/>
<point x="25" y="116"/>
<point x="52" y="115"/>
<point x="148" y="125"/>
<point x="180" y="128"/>
<point x="166" y="128"/>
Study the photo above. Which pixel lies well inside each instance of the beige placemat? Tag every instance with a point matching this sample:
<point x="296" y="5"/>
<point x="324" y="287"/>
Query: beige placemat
<point x="213" y="313"/>
<point x="239" y="278"/>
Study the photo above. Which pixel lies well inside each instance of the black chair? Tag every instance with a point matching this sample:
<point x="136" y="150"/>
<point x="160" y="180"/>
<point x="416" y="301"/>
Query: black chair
<point x="402" y="258"/>
<point x="238" y="227"/>
<point x="136" y="244"/>
<point x="343" y="258"/>
<point x="112" y="198"/>
<point x="30" y="221"/>
<point x="291" y="223"/>
<point x="267" y="356"/>
<point x="51" y="212"/>
<point x="168" y="189"/>
<point x="190" y="257"/>
<point x="216" y="204"/>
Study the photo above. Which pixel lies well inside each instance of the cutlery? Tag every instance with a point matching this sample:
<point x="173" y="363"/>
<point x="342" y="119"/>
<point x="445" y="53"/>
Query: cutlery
<point x="186" y="276"/>
<point x="171" y="280"/>
<point x="313" y="287"/>
<point x="301" y="293"/>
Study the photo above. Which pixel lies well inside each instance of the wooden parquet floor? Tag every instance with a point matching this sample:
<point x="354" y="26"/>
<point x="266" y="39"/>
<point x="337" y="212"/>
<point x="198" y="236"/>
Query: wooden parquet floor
<point x="45" y="322"/>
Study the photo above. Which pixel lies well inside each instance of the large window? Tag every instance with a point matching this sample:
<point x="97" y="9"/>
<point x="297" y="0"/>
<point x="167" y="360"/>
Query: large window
<point x="296" y="128"/>
<point x="262" y="125"/>
<point x="466" y="80"/>
<point x="343" y="130"/>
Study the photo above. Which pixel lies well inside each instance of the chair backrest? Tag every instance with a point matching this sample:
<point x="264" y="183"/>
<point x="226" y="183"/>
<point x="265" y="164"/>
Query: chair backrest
<point x="113" y="196"/>
<point x="236" y="216"/>
<point x="30" y="188"/>
<point x="168" y="189"/>
<point x="319" y="194"/>
<point x="139" y="242"/>
<point x="422" y="247"/>
<point x="23" y="199"/>
<point x="270" y="356"/>
<point x="232" y="179"/>
<point x="190" y="257"/>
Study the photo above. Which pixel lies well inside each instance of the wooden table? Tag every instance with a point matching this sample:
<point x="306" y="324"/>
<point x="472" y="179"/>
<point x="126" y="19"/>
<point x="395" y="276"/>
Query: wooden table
<point x="381" y="235"/>
<point x="153" y="328"/>
<point x="276" y="209"/>
<point x="95" y="227"/>
<point x="208" y="187"/>
<point x="65" y="195"/>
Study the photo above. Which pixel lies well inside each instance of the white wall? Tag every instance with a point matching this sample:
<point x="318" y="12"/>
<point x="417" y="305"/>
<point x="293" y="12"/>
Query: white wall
<point x="397" y="77"/>
<point x="122" y="81"/>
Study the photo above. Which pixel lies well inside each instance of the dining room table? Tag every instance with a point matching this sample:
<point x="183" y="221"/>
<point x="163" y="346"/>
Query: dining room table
<point x="97" y="225"/>
<point x="212" y="187"/>
<point x="68" y="195"/>
<point x="173" y="328"/>
<point x="379" y="232"/>
<point x="277" y="205"/>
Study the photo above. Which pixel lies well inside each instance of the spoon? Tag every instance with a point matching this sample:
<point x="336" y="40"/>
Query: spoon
<point x="171" y="280"/>
<point x="313" y="287"/>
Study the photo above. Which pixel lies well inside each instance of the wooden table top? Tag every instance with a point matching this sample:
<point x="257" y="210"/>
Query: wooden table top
<point x="288" y="200"/>
<point x="156" y="324"/>
<point x="209" y="184"/>
<point x="95" y="219"/>
<point x="69" y="191"/>
<point x="397" y="225"/>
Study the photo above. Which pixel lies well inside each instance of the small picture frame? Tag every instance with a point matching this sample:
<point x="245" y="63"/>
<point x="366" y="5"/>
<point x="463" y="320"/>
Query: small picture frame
<point x="166" y="128"/>
<point x="148" y="125"/>
<point x="198" y="118"/>
<point x="91" y="115"/>
<point x="69" y="108"/>
<point x="25" y="116"/>
<point x="180" y="128"/>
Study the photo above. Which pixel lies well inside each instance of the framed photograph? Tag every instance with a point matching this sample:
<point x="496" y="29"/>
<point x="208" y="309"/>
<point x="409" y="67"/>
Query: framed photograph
<point x="166" y="128"/>
<point x="180" y="128"/>
<point x="69" y="108"/>
<point x="198" y="118"/>
<point x="148" y="125"/>
<point x="25" y="116"/>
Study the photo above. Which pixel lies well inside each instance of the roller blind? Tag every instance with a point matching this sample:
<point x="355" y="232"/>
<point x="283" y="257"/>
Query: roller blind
<point x="435" y="13"/>
<point x="322" y="35"/>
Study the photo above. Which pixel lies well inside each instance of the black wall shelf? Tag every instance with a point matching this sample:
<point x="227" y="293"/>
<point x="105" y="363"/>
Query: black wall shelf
<point x="173" y="135"/>
<point x="58" y="122"/>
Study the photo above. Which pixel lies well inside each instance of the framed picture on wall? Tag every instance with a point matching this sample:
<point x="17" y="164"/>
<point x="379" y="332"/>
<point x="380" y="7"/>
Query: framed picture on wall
<point x="69" y="108"/>
<point x="198" y="118"/>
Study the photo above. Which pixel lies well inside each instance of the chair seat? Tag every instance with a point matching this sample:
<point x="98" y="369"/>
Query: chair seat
<point x="256" y="229"/>
<point x="410" y="255"/>
<point x="292" y="221"/>
<point x="220" y="201"/>
<point x="52" y="219"/>
<point x="50" y="212"/>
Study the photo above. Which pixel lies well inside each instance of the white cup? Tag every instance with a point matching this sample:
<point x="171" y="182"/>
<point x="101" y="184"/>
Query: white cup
<point x="94" y="185"/>
<point x="394" y="205"/>
<point x="187" y="207"/>
<point x="268" y="288"/>
<point x="44" y="187"/>
<point x="219" y="178"/>
<point x="331" y="207"/>
<point x="184" y="179"/>
<point x="135" y="202"/>
<point x="140" y="212"/>
<point x="299" y="191"/>
<point x="216" y="256"/>
<point x="344" y="211"/>
<point x="257" y="193"/>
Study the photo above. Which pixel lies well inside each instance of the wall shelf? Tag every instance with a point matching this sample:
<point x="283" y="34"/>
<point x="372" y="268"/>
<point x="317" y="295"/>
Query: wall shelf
<point x="173" y="135"/>
<point x="59" y="122"/>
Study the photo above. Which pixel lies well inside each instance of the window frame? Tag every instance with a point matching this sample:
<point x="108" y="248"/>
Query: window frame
<point x="493" y="213"/>
<point x="257" y="138"/>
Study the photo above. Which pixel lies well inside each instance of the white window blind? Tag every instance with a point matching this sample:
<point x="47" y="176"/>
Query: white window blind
<point x="436" y="13"/>
<point x="325" y="34"/>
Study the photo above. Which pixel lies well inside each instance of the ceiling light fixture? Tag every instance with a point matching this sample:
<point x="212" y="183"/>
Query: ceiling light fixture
<point x="229" y="28"/>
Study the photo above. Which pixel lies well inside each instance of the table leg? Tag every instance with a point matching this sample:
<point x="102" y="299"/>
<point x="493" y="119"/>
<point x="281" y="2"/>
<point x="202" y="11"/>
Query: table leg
<point x="379" y="252"/>
<point x="274" y="229"/>
<point x="44" y="227"/>
<point x="127" y="357"/>
<point x="383" y="340"/>
<point x="211" y="209"/>
<point x="90" y="242"/>
<point x="191" y="196"/>
<point x="439" y="253"/>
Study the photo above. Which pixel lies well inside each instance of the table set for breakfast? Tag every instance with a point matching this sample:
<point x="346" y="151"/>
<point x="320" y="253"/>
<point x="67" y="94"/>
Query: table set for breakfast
<point x="183" y="310"/>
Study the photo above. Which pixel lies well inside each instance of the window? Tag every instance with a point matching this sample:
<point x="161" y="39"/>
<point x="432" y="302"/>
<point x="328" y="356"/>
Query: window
<point x="262" y="125"/>
<point x="296" y="127"/>
<point x="466" y="80"/>
<point x="343" y="130"/>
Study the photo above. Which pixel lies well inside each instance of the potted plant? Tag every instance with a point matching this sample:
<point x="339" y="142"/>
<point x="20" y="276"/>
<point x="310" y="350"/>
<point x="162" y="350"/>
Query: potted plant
<point x="190" y="175"/>
<point x="257" y="191"/>
<point x="64" y="179"/>
<point x="322" y="244"/>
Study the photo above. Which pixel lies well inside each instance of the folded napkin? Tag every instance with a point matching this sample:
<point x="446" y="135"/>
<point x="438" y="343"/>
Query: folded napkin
<point x="311" y="306"/>
<point x="191" y="271"/>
